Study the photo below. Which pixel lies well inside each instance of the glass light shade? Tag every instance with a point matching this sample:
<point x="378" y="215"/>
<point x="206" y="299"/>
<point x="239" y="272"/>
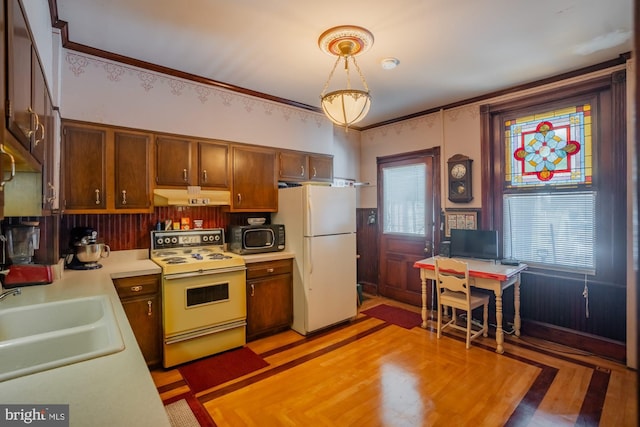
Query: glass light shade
<point x="346" y="107"/>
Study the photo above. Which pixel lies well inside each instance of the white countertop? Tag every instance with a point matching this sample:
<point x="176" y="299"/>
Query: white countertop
<point x="267" y="256"/>
<point x="113" y="390"/>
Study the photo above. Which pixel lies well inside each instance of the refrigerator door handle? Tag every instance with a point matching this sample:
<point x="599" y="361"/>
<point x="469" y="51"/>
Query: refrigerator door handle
<point x="309" y="257"/>
<point x="309" y="216"/>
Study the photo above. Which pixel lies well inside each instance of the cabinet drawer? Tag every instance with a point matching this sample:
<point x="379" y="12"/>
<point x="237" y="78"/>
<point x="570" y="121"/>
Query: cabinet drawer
<point x="269" y="268"/>
<point x="135" y="286"/>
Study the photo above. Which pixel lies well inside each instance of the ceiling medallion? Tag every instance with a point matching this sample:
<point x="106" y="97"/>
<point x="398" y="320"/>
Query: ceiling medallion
<point x="346" y="106"/>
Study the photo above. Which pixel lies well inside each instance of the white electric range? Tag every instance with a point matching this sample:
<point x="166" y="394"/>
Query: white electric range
<point x="203" y="294"/>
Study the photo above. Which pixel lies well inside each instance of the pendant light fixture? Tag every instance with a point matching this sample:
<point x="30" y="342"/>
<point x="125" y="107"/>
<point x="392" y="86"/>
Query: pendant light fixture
<point x="345" y="107"/>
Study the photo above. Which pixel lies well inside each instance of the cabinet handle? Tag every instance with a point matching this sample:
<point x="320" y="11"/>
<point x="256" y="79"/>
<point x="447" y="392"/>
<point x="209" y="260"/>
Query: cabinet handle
<point x="97" y="191"/>
<point x="239" y="199"/>
<point x="253" y="289"/>
<point x="136" y="288"/>
<point x="38" y="126"/>
<point x="149" y="311"/>
<point x="269" y="270"/>
<point x="205" y="178"/>
<point x="301" y="170"/>
<point x="184" y="175"/>
<point x="124" y="197"/>
<point x="53" y="196"/>
<point x="11" y="173"/>
<point x="315" y="172"/>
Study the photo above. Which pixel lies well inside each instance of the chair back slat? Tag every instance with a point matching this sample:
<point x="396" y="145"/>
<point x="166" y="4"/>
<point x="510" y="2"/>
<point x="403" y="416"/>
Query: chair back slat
<point x="453" y="275"/>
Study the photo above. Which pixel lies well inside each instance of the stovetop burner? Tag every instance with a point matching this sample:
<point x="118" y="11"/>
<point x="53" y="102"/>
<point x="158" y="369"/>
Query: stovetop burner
<point x="218" y="256"/>
<point x="174" y="260"/>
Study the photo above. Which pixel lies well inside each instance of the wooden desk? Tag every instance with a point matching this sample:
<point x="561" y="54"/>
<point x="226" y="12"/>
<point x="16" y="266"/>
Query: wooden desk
<point x="484" y="275"/>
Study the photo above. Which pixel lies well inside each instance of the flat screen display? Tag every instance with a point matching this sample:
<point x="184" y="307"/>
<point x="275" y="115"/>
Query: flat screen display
<point x="481" y="244"/>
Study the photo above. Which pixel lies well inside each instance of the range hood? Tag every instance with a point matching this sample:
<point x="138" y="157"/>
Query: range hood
<point x="190" y="196"/>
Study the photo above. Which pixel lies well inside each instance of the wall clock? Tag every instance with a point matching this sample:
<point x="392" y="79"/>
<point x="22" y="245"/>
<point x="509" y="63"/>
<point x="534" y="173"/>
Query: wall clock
<point x="459" y="176"/>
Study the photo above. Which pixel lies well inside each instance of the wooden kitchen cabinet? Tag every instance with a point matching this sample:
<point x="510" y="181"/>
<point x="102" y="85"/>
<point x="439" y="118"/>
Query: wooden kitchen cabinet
<point x="269" y="297"/>
<point x="321" y="168"/>
<point x="105" y="169"/>
<point x="182" y="162"/>
<point x="142" y="302"/>
<point x="254" y="186"/>
<point x="132" y="170"/>
<point x="84" y="173"/>
<point x="298" y="166"/>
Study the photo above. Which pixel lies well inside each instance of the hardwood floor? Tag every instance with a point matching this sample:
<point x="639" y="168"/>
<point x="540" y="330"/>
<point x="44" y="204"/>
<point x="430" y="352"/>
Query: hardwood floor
<point x="371" y="373"/>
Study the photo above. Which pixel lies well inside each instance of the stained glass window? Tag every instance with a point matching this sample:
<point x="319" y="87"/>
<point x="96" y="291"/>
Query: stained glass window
<point x="549" y="149"/>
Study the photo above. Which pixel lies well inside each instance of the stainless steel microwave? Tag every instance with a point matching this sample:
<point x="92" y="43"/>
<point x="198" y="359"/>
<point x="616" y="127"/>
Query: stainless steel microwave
<point x="256" y="239"/>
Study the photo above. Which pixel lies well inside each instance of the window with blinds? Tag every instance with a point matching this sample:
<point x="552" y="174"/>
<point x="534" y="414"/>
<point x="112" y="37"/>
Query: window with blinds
<point x="551" y="230"/>
<point x="404" y="199"/>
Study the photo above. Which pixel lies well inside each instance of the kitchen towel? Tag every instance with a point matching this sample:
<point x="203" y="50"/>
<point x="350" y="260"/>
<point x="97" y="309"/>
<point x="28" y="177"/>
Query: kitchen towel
<point x="395" y="315"/>
<point x="215" y="370"/>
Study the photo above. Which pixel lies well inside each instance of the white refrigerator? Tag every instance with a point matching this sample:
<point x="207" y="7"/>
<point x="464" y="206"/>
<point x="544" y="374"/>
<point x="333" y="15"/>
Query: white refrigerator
<point x="320" y="229"/>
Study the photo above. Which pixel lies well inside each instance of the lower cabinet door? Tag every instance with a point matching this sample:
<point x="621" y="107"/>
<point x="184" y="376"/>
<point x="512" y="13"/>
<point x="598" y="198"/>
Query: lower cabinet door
<point x="145" y="318"/>
<point x="269" y="305"/>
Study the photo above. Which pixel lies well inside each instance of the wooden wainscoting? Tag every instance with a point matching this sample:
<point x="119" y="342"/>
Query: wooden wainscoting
<point x="367" y="248"/>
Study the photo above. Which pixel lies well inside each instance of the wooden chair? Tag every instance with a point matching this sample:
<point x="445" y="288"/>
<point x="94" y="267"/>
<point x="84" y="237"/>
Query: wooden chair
<point x="452" y="281"/>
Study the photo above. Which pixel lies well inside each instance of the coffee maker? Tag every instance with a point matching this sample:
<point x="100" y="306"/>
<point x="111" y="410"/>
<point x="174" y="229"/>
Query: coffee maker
<point x="84" y="250"/>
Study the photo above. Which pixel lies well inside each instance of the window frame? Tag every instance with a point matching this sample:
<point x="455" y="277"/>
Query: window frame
<point x="607" y="96"/>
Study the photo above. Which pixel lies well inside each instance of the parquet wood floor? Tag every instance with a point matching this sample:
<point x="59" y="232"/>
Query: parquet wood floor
<point x="371" y="373"/>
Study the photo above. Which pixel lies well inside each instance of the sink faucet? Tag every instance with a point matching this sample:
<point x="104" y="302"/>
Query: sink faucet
<point x="5" y="294"/>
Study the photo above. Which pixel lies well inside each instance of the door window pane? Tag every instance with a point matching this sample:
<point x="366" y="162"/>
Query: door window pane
<point x="404" y="199"/>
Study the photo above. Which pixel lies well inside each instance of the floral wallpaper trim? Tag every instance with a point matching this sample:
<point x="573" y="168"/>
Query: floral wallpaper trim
<point x="116" y="72"/>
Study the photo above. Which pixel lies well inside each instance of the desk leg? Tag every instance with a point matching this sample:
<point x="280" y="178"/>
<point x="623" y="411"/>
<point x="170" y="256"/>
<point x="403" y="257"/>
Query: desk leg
<point x="424" y="300"/>
<point x="499" y="331"/>
<point x="516" y="305"/>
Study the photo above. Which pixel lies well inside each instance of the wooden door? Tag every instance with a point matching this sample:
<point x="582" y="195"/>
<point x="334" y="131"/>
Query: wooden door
<point x="39" y="107"/>
<point x="84" y="171"/>
<point x="132" y="170"/>
<point x="173" y="161"/>
<point x="293" y="166"/>
<point x="409" y="206"/>
<point x="254" y="186"/>
<point x="321" y="168"/>
<point x="18" y="75"/>
<point x="213" y="165"/>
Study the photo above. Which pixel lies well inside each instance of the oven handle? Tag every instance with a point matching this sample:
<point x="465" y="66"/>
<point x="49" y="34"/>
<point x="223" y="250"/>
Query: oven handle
<point x="204" y="332"/>
<point x="204" y="272"/>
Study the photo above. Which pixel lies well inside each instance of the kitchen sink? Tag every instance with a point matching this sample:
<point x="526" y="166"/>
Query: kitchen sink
<point x="38" y="337"/>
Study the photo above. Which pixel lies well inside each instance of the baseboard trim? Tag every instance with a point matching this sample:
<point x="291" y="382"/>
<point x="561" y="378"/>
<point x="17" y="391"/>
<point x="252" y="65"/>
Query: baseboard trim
<point x="599" y="346"/>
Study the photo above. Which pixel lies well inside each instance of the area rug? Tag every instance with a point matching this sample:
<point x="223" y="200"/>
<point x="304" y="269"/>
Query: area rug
<point x="395" y="315"/>
<point x="186" y="411"/>
<point x="212" y="371"/>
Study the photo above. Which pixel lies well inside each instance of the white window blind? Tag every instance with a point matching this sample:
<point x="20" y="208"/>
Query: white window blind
<point x="404" y="199"/>
<point x="554" y="230"/>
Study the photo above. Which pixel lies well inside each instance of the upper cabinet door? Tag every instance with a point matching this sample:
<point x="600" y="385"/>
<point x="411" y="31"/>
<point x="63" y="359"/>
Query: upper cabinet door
<point x="132" y="170"/>
<point x="254" y="186"/>
<point x="321" y="168"/>
<point x="18" y="110"/>
<point x="84" y="170"/>
<point x="213" y="165"/>
<point x="173" y="161"/>
<point x="293" y="166"/>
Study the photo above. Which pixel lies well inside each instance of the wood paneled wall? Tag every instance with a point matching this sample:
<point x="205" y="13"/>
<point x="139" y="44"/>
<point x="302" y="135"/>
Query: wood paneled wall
<point x="367" y="248"/>
<point x="132" y="231"/>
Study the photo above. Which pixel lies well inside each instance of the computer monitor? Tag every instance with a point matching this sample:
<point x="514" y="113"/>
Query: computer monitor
<point x="481" y="244"/>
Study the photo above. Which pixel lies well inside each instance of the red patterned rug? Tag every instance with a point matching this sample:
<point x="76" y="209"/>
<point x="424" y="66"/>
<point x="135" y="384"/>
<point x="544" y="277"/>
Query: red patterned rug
<point x="395" y="315"/>
<point x="212" y="371"/>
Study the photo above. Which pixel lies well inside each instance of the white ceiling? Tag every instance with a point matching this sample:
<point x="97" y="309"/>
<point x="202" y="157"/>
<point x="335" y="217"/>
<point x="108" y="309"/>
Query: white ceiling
<point x="449" y="50"/>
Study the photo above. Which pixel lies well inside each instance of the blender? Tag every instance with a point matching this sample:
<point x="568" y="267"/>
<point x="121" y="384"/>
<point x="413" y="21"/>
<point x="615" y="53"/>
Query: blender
<point x="22" y="241"/>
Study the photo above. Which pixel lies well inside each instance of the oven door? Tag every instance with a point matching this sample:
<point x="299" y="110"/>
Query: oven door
<point x="199" y="300"/>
